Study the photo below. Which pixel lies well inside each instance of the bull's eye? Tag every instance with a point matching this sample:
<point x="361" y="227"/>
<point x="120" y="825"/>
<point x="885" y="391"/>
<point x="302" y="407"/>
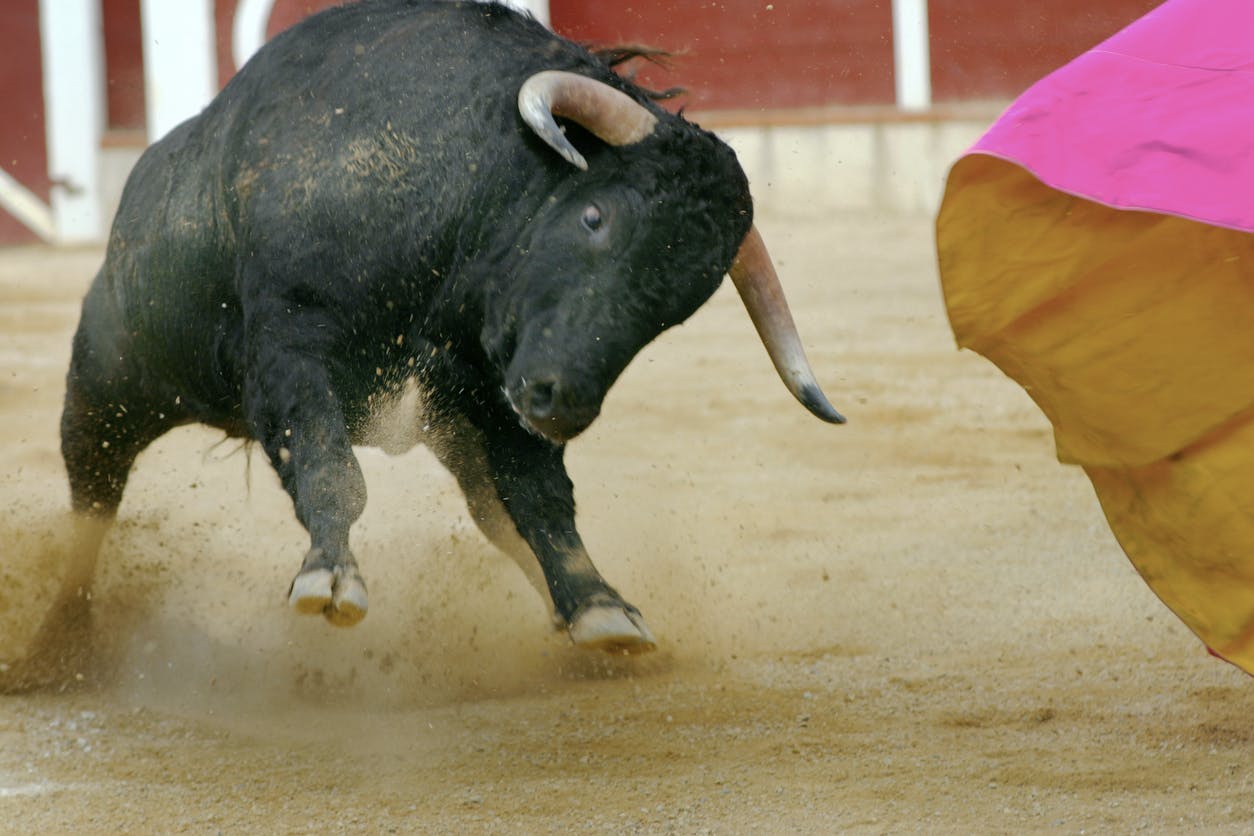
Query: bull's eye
<point x="591" y="218"/>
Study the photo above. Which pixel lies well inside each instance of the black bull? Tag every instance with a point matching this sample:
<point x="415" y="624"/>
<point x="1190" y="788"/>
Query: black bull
<point x="381" y="209"/>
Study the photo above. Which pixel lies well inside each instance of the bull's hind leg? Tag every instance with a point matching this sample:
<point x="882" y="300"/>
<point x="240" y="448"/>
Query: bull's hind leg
<point x="104" y="428"/>
<point x="518" y="493"/>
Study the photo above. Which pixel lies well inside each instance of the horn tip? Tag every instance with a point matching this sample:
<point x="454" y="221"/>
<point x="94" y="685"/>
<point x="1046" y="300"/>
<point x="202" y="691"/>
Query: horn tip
<point x="813" y="399"/>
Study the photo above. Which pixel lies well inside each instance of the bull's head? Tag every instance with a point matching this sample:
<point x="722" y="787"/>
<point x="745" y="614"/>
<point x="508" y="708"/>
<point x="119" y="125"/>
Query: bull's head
<point x="649" y="256"/>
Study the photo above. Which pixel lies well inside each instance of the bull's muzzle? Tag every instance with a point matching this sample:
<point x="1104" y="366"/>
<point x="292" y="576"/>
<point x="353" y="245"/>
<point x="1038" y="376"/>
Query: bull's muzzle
<point x="548" y="407"/>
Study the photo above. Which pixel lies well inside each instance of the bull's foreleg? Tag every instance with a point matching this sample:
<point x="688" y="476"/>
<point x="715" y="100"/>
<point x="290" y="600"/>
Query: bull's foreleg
<point x="293" y="412"/>
<point x="516" y="485"/>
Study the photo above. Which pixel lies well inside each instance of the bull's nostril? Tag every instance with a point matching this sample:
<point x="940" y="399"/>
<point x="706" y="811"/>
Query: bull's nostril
<point x="551" y="409"/>
<point x="540" y="401"/>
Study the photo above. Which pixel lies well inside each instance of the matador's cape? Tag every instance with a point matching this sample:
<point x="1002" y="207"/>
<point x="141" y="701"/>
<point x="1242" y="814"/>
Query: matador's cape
<point x="1096" y="244"/>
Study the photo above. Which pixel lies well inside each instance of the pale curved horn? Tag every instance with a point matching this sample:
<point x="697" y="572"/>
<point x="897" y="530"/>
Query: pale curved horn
<point x="610" y="114"/>
<point x="755" y="278"/>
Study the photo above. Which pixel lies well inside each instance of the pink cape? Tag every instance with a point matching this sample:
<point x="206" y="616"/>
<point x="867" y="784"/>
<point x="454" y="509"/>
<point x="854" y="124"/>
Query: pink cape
<point x="1159" y="117"/>
<point x="1095" y="245"/>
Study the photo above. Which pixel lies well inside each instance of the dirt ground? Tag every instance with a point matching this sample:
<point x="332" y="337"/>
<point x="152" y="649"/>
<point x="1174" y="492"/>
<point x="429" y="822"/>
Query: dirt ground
<point x="916" y="622"/>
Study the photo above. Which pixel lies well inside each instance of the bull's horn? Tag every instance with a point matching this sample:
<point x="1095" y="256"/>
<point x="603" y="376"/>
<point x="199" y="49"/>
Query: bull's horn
<point x="610" y="114"/>
<point x="755" y="278"/>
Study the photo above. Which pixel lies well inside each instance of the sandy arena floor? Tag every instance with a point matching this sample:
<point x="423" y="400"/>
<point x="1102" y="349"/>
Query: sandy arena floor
<point x="916" y="622"/>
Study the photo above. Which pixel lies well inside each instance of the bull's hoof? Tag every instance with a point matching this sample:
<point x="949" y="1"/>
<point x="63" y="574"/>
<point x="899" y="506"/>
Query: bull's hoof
<point x="339" y="596"/>
<point x="311" y="591"/>
<point x="349" y="602"/>
<point x="612" y="628"/>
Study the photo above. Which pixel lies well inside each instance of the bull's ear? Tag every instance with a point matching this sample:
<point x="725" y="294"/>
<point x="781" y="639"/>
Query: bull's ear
<point x="609" y="114"/>
<point x="754" y="275"/>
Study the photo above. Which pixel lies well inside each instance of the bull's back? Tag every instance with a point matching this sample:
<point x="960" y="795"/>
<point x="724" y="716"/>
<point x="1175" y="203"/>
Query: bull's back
<point x="383" y="115"/>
